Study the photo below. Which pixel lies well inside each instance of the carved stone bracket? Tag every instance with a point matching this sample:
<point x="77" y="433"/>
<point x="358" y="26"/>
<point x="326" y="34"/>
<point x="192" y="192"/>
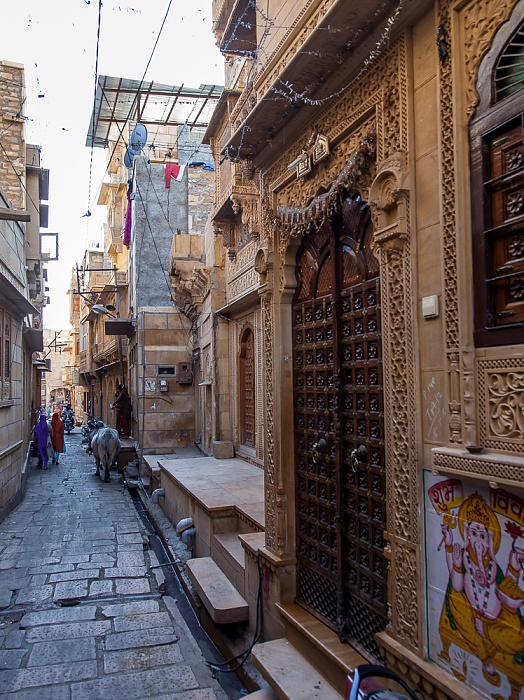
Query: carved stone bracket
<point x="227" y="230"/>
<point x="248" y="208"/>
<point x="190" y="287"/>
<point x="389" y="198"/>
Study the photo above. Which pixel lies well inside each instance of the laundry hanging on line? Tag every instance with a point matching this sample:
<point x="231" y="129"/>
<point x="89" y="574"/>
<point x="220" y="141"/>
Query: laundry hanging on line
<point x="126" y="231"/>
<point x="175" y="171"/>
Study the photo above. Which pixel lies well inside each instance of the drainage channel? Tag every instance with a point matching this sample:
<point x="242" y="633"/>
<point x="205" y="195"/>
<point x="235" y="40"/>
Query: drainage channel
<point x="229" y="682"/>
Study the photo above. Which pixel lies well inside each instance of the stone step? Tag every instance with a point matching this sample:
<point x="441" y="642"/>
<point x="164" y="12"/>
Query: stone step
<point x="289" y="673"/>
<point x="319" y="644"/>
<point x="219" y="596"/>
<point x="228" y="553"/>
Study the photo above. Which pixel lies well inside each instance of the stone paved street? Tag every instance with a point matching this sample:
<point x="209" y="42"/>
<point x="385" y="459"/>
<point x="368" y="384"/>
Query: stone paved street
<point x="81" y="613"/>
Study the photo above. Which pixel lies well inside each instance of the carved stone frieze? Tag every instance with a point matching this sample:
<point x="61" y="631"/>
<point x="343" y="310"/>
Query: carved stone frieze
<point x="405" y="616"/>
<point x="243" y="259"/>
<point x="268" y="330"/>
<point x="501" y="400"/>
<point x="449" y="230"/>
<point x="496" y="468"/>
<point x="240" y="285"/>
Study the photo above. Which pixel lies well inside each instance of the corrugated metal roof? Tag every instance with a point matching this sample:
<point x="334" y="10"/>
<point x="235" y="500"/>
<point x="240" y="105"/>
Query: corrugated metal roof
<point x="121" y="100"/>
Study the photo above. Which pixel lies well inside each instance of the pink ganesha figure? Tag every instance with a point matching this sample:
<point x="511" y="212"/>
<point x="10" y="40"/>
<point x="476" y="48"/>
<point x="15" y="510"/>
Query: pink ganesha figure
<point x="482" y="603"/>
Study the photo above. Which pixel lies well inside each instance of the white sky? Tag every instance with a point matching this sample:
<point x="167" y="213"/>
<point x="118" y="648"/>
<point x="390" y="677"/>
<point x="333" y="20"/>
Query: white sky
<point x="56" y="42"/>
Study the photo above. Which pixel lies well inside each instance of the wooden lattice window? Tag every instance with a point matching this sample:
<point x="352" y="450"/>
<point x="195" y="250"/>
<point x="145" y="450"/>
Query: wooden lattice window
<point x="5" y="355"/>
<point x="247" y="388"/>
<point x="497" y="154"/>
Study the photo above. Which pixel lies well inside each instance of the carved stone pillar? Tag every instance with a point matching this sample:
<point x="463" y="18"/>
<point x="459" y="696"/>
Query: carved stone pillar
<point x="389" y="195"/>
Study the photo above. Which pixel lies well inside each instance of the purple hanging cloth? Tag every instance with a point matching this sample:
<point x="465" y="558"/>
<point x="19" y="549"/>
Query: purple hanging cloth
<point x="126" y="231"/>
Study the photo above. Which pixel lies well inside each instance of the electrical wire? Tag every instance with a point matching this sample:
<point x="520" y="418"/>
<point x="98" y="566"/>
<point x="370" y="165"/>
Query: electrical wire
<point x="88" y="212"/>
<point x="131" y="108"/>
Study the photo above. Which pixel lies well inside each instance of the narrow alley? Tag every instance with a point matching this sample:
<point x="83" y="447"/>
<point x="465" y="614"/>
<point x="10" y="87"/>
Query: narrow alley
<point x="83" y="614"/>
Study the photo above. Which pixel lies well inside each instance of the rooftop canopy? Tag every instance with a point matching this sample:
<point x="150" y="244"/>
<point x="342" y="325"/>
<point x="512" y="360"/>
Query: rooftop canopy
<point x="119" y="100"/>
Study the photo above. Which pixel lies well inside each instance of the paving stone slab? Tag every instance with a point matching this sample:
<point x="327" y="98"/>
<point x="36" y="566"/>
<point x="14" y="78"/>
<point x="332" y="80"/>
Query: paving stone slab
<point x="51" y="569"/>
<point x="143" y="684"/>
<point x="130" y="559"/>
<point x="57" y="615"/>
<point x="71" y="630"/>
<point x="131" y="586"/>
<point x="49" y="653"/>
<point x="34" y="595"/>
<point x="75" y="558"/>
<point x="70" y="589"/>
<point x="7" y="563"/>
<point x="134" y="607"/>
<point x="140" y="638"/>
<point x="102" y="558"/>
<point x="75" y="575"/>
<point x="100" y="588"/>
<point x="11" y="658"/>
<point x="127" y="623"/>
<point x="14" y="639"/>
<point x="54" y="692"/>
<point x="50" y="675"/>
<point x="5" y="598"/>
<point x="131" y="538"/>
<point x="142" y="659"/>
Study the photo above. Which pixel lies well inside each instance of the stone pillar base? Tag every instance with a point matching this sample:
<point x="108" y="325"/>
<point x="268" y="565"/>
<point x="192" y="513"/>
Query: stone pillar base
<point x="223" y="449"/>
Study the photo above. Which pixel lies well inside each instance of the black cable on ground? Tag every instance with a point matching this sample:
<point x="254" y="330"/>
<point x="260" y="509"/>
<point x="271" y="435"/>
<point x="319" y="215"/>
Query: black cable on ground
<point x="259" y="626"/>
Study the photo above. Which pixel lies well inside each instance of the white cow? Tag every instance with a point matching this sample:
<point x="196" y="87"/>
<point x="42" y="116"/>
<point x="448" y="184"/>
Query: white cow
<point x="106" y="446"/>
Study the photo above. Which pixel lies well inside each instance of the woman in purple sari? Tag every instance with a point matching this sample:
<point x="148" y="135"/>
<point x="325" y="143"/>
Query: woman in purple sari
<point x="42" y="437"/>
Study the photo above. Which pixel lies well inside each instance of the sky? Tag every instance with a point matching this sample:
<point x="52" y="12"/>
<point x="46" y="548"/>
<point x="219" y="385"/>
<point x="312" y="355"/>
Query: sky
<point x="56" y="41"/>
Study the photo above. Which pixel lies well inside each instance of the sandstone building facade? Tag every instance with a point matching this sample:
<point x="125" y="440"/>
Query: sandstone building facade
<point x="370" y="346"/>
<point x="24" y="186"/>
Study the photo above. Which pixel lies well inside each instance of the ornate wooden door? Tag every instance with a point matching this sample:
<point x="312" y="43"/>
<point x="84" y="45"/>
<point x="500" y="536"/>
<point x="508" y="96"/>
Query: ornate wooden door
<point x="339" y="428"/>
<point x="247" y="388"/>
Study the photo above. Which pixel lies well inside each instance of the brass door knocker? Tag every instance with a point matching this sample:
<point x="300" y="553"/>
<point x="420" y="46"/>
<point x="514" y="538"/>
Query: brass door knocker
<point x="358" y="456"/>
<point x="319" y="448"/>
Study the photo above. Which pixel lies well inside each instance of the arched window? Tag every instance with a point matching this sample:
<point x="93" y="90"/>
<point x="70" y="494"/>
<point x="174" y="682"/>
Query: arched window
<point x="247" y="388"/>
<point x="497" y="167"/>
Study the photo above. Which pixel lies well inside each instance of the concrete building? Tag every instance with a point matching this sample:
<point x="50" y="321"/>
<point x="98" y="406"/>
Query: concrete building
<point x="24" y="185"/>
<point x="366" y="349"/>
<point x="158" y="201"/>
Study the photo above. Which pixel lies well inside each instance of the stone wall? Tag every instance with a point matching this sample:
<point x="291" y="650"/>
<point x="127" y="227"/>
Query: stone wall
<point x="12" y="161"/>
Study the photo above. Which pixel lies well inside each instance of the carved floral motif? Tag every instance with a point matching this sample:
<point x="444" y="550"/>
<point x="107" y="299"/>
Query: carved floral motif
<point x="481" y="19"/>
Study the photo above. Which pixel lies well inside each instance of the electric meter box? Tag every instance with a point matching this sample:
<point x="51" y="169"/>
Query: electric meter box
<point x="185" y="375"/>
<point x="163" y="385"/>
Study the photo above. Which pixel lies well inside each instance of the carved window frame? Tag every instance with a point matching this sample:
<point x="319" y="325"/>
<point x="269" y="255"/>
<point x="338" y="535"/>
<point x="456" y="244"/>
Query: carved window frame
<point x="491" y="238"/>
<point x="247" y="336"/>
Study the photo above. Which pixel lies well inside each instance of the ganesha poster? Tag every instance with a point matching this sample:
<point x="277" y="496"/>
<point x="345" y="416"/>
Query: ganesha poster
<point x="475" y="583"/>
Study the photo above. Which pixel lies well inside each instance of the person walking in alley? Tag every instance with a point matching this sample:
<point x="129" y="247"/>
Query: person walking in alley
<point x="57" y="435"/>
<point x="122" y="404"/>
<point x="43" y="441"/>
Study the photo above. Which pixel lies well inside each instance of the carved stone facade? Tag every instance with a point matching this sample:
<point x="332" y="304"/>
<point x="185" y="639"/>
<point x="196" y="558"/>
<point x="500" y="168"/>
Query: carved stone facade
<point x="397" y="137"/>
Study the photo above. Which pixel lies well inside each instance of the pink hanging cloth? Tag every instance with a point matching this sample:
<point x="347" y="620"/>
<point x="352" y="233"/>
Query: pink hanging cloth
<point x="126" y="231"/>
